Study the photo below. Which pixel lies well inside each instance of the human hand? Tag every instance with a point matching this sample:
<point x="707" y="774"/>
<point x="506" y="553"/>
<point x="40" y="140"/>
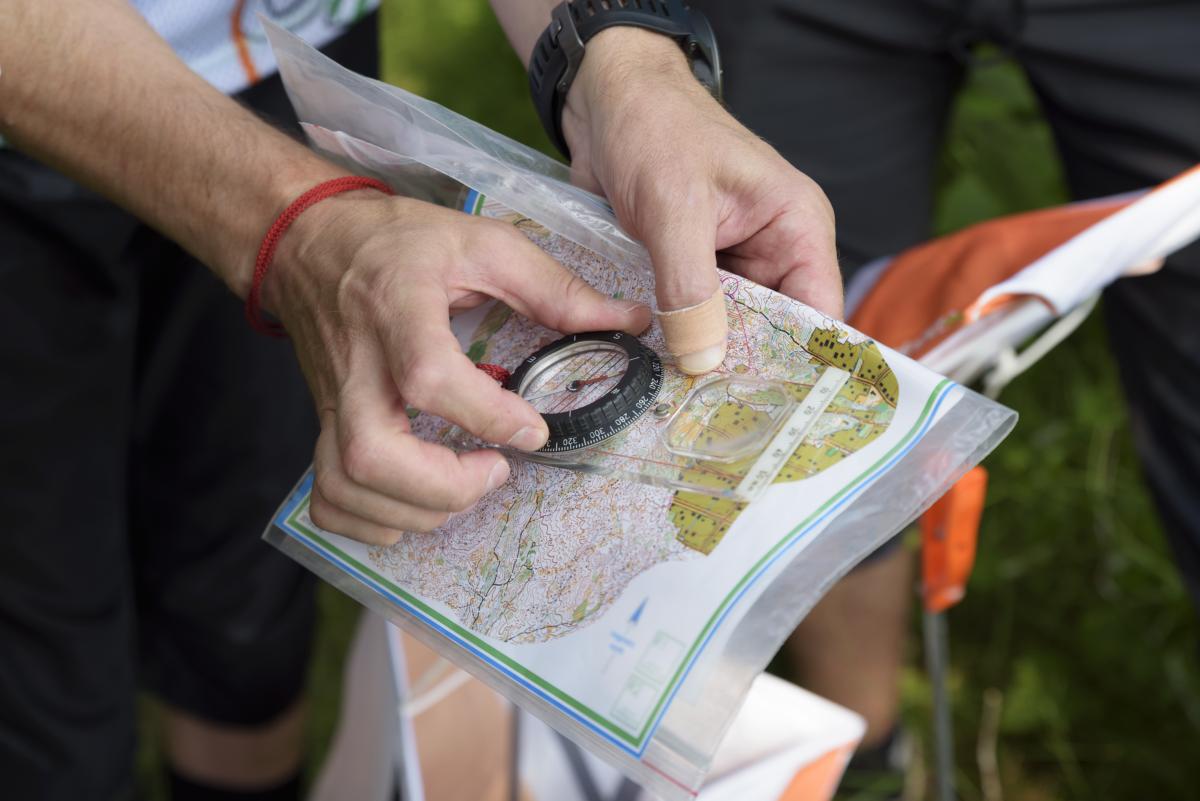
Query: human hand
<point x="365" y="285"/>
<point x="695" y="186"/>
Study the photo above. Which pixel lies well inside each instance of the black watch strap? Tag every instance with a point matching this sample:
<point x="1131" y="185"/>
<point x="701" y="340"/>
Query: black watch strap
<point x="559" y="50"/>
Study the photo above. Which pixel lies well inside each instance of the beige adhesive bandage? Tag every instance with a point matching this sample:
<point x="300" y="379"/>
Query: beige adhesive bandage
<point x="695" y="335"/>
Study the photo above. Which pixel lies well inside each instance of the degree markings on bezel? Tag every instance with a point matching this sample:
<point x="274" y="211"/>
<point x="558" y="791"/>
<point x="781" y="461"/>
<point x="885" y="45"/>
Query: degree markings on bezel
<point x="613" y="409"/>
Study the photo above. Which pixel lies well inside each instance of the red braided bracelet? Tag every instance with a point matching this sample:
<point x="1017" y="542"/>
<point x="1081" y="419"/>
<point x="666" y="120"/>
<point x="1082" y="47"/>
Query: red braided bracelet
<point x="495" y="371"/>
<point x="266" y="253"/>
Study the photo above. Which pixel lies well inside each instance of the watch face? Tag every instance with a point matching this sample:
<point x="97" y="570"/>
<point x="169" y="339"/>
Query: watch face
<point x="589" y="387"/>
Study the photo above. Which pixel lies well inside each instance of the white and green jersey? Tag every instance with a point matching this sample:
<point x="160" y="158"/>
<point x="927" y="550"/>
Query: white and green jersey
<point x="223" y="41"/>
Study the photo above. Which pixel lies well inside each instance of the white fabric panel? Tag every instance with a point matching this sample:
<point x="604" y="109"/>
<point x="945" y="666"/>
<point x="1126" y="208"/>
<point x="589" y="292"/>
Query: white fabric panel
<point x="202" y="31"/>
<point x="1154" y="226"/>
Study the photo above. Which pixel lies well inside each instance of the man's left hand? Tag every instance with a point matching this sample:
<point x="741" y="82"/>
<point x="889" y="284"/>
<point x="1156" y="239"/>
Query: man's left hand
<point x="692" y="183"/>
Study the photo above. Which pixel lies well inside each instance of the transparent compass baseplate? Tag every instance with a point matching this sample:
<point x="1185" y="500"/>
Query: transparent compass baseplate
<point x="728" y="437"/>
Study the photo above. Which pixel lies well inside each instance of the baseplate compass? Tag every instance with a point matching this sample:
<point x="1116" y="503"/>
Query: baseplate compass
<point x="589" y="387"/>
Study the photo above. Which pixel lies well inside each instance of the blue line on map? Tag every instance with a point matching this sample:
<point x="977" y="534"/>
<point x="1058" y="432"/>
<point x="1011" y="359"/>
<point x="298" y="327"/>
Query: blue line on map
<point x="289" y="507"/>
<point x="784" y="549"/>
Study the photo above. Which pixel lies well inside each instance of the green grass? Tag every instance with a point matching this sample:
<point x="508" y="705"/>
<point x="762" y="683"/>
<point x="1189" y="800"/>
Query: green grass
<point x="1076" y="628"/>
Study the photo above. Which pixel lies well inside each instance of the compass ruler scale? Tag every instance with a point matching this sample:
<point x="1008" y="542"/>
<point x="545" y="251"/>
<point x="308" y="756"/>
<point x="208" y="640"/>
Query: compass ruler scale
<point x="799" y="423"/>
<point x="590" y="387"/>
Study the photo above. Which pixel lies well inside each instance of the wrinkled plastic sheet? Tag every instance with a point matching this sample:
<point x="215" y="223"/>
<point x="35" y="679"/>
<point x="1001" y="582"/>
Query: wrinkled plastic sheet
<point x="427" y="151"/>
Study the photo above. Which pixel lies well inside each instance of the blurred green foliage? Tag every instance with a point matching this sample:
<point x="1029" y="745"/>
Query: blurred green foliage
<point x="454" y="52"/>
<point x="1076" y="628"/>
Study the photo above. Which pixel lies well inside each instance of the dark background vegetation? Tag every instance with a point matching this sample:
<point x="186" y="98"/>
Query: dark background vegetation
<point x="1076" y="666"/>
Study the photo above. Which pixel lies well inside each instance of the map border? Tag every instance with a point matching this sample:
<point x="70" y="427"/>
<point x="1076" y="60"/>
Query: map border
<point x="632" y="743"/>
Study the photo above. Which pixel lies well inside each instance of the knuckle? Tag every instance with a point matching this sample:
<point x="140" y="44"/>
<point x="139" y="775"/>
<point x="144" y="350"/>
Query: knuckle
<point x="668" y="195"/>
<point x="491" y="237"/>
<point x="423" y="381"/>
<point x="328" y="485"/>
<point x="360" y="460"/>
<point x="825" y="205"/>
<point x="320" y="510"/>
<point x="792" y="227"/>
<point x="497" y="416"/>
<point x="805" y="232"/>
<point x="816" y="195"/>
<point x="361" y="283"/>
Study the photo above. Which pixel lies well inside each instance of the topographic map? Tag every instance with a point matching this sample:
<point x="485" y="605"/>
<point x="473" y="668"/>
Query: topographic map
<point x="552" y="552"/>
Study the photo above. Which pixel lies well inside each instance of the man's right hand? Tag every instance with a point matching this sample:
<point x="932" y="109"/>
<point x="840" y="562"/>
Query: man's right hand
<point x="365" y="285"/>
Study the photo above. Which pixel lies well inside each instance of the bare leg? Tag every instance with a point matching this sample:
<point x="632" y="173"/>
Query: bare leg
<point x="850" y="648"/>
<point x="471" y="721"/>
<point x="235" y="757"/>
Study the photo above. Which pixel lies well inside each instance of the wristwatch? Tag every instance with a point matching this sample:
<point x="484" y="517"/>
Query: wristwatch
<point x="560" y="49"/>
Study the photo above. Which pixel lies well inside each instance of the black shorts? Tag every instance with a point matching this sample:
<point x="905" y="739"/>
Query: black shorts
<point x="857" y="95"/>
<point x="146" y="437"/>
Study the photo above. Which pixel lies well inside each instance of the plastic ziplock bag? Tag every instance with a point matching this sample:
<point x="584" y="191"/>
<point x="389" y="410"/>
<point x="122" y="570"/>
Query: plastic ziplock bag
<point x="629" y="612"/>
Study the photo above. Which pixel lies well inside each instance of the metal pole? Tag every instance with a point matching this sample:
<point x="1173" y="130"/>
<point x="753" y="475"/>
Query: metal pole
<point x="937" y="658"/>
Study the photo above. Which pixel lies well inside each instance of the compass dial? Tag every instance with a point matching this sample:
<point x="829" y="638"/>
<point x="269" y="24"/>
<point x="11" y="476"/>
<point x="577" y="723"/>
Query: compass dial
<point x="589" y="387"/>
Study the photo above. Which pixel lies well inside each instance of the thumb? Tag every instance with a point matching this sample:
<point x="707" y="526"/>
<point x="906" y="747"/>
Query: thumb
<point x="691" y="306"/>
<point x="534" y="284"/>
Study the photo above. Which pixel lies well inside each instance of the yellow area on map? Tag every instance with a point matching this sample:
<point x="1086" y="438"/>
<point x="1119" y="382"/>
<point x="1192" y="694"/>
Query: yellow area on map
<point x="701" y="521"/>
<point x="863" y="361"/>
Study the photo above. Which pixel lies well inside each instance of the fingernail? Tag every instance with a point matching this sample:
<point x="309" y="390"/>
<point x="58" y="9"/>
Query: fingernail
<point x="702" y="360"/>
<point x="498" y="475"/>
<point x="633" y="306"/>
<point x="529" y="438"/>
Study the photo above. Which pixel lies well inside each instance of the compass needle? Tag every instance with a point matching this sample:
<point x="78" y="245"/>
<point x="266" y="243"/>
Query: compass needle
<point x="589" y="387"/>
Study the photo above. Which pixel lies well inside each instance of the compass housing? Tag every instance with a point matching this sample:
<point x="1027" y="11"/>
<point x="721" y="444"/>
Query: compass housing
<point x="583" y="426"/>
